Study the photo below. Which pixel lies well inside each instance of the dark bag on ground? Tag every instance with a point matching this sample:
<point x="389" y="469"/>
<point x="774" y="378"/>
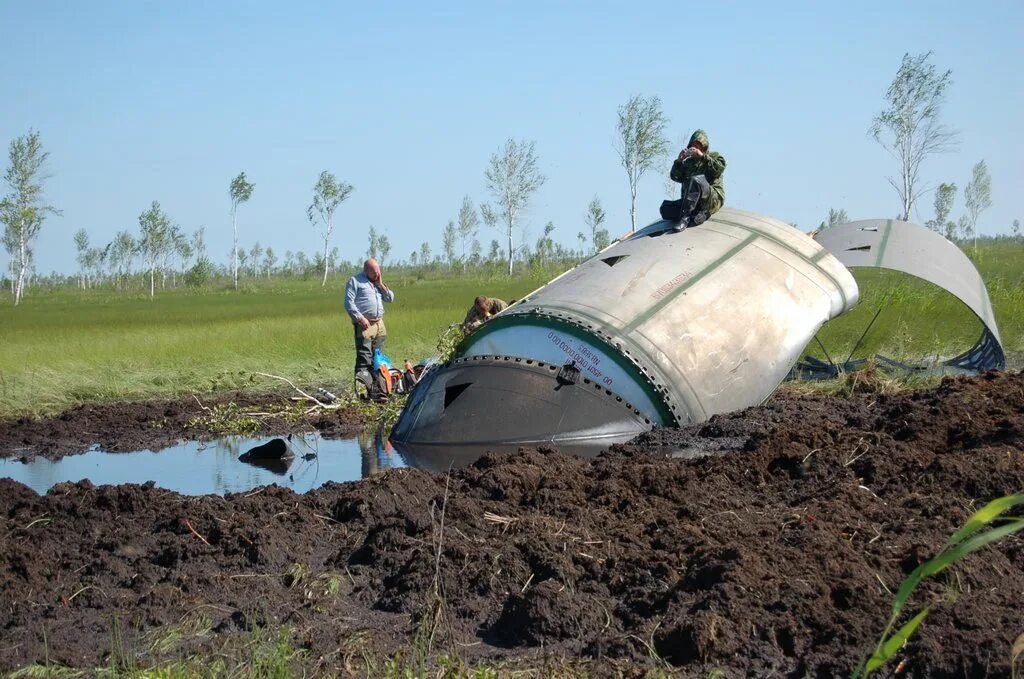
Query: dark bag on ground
<point x="672" y="210"/>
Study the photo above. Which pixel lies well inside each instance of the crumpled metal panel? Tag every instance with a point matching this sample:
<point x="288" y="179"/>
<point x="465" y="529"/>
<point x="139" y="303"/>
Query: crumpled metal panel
<point x="925" y="254"/>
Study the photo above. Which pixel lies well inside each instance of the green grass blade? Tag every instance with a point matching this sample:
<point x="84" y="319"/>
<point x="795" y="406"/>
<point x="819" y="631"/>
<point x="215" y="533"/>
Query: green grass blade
<point x="963" y="542"/>
<point x="984" y="516"/>
<point x="940" y="562"/>
<point x="893" y="644"/>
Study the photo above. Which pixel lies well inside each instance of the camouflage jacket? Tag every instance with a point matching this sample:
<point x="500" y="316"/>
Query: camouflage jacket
<point x="475" y="318"/>
<point x="711" y="165"/>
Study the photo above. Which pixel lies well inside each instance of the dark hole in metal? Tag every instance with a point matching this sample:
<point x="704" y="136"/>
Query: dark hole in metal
<point x="453" y="391"/>
<point x="861" y="248"/>
<point x="612" y="261"/>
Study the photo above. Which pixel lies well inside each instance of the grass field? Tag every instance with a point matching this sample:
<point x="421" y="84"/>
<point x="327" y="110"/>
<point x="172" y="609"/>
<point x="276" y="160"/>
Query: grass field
<point x="67" y="346"/>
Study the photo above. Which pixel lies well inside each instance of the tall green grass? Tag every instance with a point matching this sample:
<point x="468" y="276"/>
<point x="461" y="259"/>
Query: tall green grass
<point x="919" y="320"/>
<point x="67" y="346"/>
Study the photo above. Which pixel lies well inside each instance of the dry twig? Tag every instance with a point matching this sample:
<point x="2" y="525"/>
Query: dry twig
<point x="307" y="396"/>
<point x="188" y="525"/>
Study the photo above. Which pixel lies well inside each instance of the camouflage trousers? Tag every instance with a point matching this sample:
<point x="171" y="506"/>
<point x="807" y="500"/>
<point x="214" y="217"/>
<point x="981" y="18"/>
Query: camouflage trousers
<point x="698" y="195"/>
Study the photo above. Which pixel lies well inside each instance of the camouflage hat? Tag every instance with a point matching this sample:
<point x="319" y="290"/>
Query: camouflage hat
<point x="702" y="137"/>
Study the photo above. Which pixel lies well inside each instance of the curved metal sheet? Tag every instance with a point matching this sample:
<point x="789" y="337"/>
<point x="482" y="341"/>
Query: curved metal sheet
<point x="922" y="253"/>
<point x="712" y="318"/>
<point x="503" y="402"/>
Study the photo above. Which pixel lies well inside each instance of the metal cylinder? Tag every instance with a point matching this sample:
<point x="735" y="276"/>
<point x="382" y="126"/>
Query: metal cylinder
<point x="674" y="326"/>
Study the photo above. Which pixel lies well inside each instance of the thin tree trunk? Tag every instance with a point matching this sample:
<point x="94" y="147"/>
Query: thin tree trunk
<point x="632" y="208"/>
<point x="234" y="250"/>
<point x="22" y="267"/>
<point x="324" y="281"/>
<point x="152" y="281"/>
<point x="510" y="250"/>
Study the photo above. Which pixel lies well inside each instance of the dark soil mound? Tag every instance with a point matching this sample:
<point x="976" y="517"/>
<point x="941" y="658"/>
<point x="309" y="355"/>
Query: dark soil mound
<point x="772" y="557"/>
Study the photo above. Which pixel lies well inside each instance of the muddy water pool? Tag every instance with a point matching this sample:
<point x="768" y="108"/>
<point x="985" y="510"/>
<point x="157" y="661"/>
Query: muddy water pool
<point x="213" y="467"/>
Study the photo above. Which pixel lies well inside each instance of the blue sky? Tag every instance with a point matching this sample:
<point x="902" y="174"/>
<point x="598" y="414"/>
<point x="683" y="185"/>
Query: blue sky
<point x="143" y="101"/>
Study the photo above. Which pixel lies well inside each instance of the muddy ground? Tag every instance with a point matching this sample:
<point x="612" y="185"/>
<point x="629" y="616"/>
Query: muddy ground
<point x="773" y="558"/>
<point x="127" y="426"/>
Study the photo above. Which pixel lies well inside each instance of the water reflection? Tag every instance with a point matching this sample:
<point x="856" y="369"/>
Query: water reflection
<point x="213" y="467"/>
<point x="236" y="464"/>
<point x="279" y="466"/>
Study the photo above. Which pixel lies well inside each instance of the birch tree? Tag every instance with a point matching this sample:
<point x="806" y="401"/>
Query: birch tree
<point x="945" y="194"/>
<point x="22" y="211"/>
<point x="240" y="192"/>
<point x="384" y="244"/>
<point x="269" y="260"/>
<point x="977" y="196"/>
<point x="512" y="177"/>
<point x="328" y="194"/>
<point x="82" y="256"/>
<point x="373" y="243"/>
<point x="641" y="142"/>
<point x="448" y="243"/>
<point x="154" y="240"/>
<point x="467" y="226"/>
<point x="909" y="127"/>
<point x="835" y="218"/>
<point x="594" y="218"/>
<point x="122" y="255"/>
<point x="255" y="258"/>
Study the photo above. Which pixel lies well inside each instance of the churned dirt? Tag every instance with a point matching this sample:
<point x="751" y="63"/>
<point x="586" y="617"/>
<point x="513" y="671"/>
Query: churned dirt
<point x="773" y="556"/>
<point x="127" y="426"/>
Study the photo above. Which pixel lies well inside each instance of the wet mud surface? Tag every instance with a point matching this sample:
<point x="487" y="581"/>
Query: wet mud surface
<point x="770" y="557"/>
<point x="128" y="426"/>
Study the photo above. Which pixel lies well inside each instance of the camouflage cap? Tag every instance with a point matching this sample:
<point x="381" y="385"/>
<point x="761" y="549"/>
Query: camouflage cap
<point x="702" y="137"/>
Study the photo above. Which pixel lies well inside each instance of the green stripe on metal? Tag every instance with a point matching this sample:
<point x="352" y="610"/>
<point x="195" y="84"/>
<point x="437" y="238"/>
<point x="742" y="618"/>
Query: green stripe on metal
<point x="519" y="320"/>
<point x="647" y="314"/>
<point x="884" y="243"/>
<point x="813" y="261"/>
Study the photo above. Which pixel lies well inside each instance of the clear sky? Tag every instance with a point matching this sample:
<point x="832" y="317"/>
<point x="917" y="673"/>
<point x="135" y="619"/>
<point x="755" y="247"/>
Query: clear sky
<point x="143" y="101"/>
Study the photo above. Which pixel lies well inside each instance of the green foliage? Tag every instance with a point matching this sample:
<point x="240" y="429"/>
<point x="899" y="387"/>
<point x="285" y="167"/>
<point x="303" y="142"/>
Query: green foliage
<point x="969" y="538"/>
<point x="944" y="196"/>
<point x="46" y="671"/>
<point x="513" y="175"/>
<point x="909" y="127"/>
<point x="328" y="194"/>
<point x="641" y="142"/>
<point x="22" y="211"/>
<point x="201" y="273"/>
<point x="69" y="346"/>
<point x="977" y="196"/>
<point x="917" y="320"/>
<point x="227" y="418"/>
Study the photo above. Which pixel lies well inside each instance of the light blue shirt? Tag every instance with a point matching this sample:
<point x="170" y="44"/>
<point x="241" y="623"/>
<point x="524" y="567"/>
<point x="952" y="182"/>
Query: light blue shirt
<point x="364" y="300"/>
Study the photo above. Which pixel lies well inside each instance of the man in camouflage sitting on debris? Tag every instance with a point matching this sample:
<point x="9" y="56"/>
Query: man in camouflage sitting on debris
<point x="699" y="170"/>
<point x="483" y="308"/>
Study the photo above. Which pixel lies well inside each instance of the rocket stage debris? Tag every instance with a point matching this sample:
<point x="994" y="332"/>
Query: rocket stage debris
<point x="664" y="328"/>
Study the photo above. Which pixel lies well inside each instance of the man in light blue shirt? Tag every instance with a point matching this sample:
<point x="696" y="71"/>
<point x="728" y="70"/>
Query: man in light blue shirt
<point x="365" y="296"/>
